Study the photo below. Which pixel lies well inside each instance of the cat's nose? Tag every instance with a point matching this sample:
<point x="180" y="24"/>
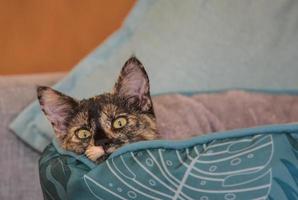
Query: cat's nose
<point x="102" y="142"/>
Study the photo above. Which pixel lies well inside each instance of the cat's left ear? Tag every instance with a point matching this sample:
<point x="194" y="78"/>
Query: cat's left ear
<point x="57" y="107"/>
<point x="133" y="83"/>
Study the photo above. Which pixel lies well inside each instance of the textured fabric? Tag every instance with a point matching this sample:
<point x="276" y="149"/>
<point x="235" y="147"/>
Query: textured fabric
<point x="188" y="45"/>
<point x="18" y="162"/>
<point x="259" y="163"/>
<point x="180" y="116"/>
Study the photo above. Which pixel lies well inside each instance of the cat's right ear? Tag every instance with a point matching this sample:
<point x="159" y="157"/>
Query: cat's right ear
<point x="57" y="107"/>
<point x="133" y="84"/>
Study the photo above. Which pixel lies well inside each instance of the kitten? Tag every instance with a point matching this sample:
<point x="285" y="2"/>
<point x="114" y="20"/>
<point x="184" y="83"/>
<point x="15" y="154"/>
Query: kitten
<point x="100" y="125"/>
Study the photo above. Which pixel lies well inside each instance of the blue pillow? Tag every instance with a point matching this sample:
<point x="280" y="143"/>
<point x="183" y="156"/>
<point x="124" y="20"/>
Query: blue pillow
<point x="255" y="163"/>
<point x="186" y="46"/>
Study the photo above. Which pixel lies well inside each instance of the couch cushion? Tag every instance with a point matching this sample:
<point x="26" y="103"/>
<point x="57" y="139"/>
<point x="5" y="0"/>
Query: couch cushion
<point x="18" y="163"/>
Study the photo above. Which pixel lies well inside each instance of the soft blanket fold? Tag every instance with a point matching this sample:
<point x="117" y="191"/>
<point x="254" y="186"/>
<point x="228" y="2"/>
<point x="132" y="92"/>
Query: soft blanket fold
<point x="256" y="163"/>
<point x="182" y="116"/>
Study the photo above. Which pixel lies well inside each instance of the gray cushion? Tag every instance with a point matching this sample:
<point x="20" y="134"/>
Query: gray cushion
<point x="18" y="162"/>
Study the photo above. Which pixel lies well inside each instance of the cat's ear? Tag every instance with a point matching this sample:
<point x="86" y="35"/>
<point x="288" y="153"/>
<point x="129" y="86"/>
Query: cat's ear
<point x="57" y="107"/>
<point x="133" y="83"/>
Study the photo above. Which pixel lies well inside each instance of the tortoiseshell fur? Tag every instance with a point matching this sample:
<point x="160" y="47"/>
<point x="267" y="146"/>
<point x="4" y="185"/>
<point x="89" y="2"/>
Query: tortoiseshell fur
<point x="130" y="98"/>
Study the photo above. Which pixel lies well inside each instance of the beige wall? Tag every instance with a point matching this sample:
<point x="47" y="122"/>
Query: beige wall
<point x="53" y="35"/>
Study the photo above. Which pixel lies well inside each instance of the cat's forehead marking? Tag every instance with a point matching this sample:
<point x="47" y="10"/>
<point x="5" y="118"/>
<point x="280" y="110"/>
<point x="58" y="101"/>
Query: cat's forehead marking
<point x="106" y="124"/>
<point x="109" y="110"/>
<point x="81" y="117"/>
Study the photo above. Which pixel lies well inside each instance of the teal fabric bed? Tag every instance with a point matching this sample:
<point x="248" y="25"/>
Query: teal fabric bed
<point x="253" y="163"/>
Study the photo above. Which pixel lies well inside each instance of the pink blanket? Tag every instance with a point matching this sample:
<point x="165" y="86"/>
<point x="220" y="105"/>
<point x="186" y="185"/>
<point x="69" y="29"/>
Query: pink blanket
<point x="180" y="117"/>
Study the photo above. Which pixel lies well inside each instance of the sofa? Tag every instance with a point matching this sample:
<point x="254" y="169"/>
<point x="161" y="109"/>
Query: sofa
<point x="19" y="162"/>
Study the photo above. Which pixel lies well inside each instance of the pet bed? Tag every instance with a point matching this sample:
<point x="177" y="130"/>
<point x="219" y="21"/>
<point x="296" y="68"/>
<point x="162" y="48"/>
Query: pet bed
<point x="251" y="163"/>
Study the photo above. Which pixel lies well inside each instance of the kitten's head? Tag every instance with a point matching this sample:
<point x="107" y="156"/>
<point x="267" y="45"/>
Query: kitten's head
<point x="124" y="114"/>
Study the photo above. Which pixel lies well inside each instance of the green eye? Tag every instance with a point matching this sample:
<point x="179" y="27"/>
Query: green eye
<point x="119" y="122"/>
<point x="83" y="134"/>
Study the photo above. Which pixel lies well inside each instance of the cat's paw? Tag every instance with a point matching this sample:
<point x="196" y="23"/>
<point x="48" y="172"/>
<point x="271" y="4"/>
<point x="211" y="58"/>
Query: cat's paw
<point x="94" y="152"/>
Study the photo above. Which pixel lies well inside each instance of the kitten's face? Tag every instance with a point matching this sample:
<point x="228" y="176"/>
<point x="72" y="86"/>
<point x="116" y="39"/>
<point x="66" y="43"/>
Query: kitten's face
<point x="123" y="115"/>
